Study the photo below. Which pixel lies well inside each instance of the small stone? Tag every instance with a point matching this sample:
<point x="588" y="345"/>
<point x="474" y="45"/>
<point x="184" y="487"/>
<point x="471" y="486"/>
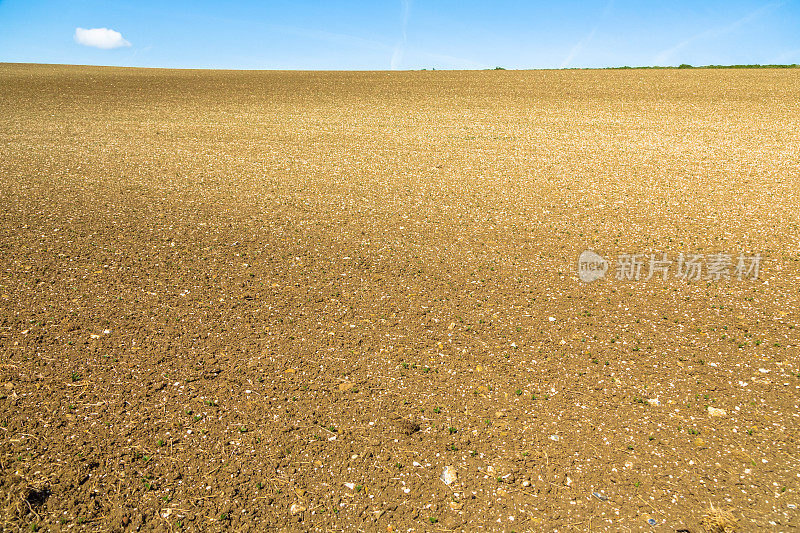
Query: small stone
<point x="296" y="509"/>
<point x="526" y="483"/>
<point x="713" y="411"/>
<point x="456" y="506"/>
<point x="449" y="475"/>
<point x="654" y="402"/>
<point x="350" y="486"/>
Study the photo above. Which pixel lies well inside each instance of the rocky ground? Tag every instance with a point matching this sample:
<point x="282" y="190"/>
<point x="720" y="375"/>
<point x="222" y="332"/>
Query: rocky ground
<point x="257" y="301"/>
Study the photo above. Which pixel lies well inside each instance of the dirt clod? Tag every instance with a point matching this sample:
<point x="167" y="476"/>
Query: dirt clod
<point x="407" y="427"/>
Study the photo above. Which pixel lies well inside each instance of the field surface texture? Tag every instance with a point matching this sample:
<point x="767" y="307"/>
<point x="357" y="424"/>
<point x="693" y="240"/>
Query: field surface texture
<point x="258" y="301"/>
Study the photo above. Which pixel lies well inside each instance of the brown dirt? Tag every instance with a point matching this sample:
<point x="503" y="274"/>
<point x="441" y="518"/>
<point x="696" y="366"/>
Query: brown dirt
<point x="228" y="297"/>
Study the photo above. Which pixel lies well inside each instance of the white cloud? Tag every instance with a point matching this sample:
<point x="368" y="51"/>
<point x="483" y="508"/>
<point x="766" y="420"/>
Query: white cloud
<point x="102" y="38"/>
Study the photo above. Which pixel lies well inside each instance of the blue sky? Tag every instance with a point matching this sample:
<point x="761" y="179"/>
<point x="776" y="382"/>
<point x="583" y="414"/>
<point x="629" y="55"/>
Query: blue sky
<point x="403" y="34"/>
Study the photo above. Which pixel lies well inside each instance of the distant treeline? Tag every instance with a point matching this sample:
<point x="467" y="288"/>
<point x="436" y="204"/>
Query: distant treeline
<point x="684" y="65"/>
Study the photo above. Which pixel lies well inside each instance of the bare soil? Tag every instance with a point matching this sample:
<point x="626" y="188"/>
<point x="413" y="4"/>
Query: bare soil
<point x="258" y="301"/>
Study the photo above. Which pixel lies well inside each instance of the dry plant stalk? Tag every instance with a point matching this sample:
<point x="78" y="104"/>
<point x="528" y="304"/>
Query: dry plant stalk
<point x="719" y="521"/>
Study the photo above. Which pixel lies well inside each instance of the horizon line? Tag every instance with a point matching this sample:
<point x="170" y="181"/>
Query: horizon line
<point x="683" y="66"/>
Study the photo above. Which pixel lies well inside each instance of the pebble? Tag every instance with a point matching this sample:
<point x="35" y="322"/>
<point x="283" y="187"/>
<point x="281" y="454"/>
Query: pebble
<point x="449" y="475"/>
<point x="296" y="508"/>
<point x="713" y="411"/>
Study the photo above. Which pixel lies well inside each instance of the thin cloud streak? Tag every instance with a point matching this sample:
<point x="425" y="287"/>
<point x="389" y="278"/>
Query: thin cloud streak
<point x="453" y="61"/>
<point x="579" y="46"/>
<point x="330" y="37"/>
<point x="665" y="55"/>
<point x="792" y="56"/>
<point x="400" y="47"/>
